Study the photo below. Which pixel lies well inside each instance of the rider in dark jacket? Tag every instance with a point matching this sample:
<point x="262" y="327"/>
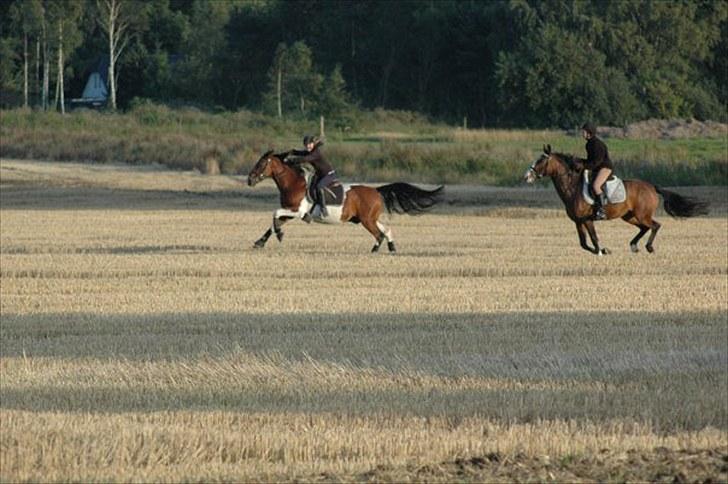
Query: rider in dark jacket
<point x="325" y="173"/>
<point x="597" y="160"/>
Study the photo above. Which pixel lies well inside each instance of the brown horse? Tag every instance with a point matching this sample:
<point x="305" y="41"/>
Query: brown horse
<point x="638" y="209"/>
<point x="362" y="204"/>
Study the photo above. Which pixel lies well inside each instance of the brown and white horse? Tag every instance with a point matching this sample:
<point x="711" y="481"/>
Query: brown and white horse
<point x="362" y="204"/>
<point x="638" y="208"/>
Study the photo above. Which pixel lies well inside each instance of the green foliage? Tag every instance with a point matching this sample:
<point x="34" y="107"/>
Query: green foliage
<point x="560" y="82"/>
<point x="297" y="88"/>
<point x="27" y="16"/>
<point x="10" y="80"/>
<point x="497" y="63"/>
<point x="198" y="76"/>
<point x="294" y="84"/>
<point x="333" y="99"/>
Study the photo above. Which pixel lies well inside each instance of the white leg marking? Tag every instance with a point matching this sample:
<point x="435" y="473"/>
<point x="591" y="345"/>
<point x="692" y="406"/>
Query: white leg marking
<point x="284" y="212"/>
<point x="303" y="208"/>
<point x="385" y="230"/>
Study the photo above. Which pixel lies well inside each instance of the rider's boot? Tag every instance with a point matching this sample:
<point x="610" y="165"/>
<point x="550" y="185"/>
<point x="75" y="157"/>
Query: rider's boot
<point x="599" y="203"/>
<point x="322" y="203"/>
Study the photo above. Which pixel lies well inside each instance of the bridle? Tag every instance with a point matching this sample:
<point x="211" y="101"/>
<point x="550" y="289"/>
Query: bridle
<point x="261" y="170"/>
<point x="532" y="168"/>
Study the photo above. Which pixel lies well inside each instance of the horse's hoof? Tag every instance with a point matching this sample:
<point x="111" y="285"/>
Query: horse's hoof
<point x="375" y="248"/>
<point x="391" y="247"/>
<point x="605" y="251"/>
<point x="650" y="249"/>
<point x="279" y="236"/>
<point x="258" y="245"/>
<point x="634" y="248"/>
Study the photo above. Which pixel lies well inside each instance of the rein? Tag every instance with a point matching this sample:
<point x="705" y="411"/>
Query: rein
<point x="532" y="168"/>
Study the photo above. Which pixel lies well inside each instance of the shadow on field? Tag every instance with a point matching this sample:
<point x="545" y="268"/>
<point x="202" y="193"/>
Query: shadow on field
<point x="259" y="199"/>
<point x="508" y="344"/>
<point x="667" y="368"/>
<point x="518" y="202"/>
<point x="69" y="198"/>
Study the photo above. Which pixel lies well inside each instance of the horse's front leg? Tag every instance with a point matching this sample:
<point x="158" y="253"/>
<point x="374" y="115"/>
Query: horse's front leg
<point x="595" y="240"/>
<point x="280" y="217"/>
<point x="260" y="243"/>
<point x="278" y="225"/>
<point x="581" y="231"/>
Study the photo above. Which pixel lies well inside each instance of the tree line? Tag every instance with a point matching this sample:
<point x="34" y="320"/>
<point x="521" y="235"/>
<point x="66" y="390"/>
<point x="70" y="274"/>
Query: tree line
<point x="525" y="63"/>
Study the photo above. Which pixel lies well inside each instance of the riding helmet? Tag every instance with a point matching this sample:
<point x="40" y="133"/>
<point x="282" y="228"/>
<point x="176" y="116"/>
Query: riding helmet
<point x="590" y="128"/>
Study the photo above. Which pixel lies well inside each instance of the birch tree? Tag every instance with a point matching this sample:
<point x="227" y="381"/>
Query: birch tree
<point x="119" y="20"/>
<point x="277" y="76"/>
<point x="26" y="16"/>
<point x="46" y="61"/>
<point x="28" y="22"/>
<point x="64" y="17"/>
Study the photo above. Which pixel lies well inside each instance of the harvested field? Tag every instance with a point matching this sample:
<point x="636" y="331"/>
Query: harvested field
<point x="143" y="339"/>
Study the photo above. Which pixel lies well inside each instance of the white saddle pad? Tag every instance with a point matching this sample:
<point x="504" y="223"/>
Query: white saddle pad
<point x="616" y="193"/>
<point x="334" y="211"/>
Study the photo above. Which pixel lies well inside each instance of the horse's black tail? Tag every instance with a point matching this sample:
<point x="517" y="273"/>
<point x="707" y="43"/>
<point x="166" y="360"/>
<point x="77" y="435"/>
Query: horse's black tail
<point x="405" y="198"/>
<point x="679" y="206"/>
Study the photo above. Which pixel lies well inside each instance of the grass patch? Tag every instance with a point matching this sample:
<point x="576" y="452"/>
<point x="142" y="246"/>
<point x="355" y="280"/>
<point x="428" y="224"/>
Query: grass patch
<point x="385" y="146"/>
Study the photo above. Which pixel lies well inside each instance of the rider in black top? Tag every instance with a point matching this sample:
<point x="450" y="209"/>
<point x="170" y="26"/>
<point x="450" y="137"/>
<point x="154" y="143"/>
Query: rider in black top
<point x="597" y="160"/>
<point x="325" y="173"/>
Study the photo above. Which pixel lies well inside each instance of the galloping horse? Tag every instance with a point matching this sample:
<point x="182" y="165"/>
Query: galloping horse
<point x="638" y="209"/>
<point x="362" y="204"/>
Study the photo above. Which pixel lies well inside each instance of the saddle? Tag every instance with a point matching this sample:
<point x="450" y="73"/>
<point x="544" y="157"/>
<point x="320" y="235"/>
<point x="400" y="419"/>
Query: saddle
<point x="333" y="194"/>
<point x="614" y="188"/>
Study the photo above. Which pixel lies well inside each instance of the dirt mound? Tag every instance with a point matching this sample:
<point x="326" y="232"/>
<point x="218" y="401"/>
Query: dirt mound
<point x="659" y="465"/>
<point x="667" y="129"/>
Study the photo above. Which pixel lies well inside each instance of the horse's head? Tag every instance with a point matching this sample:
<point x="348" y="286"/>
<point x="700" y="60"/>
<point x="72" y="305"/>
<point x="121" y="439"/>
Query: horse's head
<point x="262" y="169"/>
<point x="543" y="166"/>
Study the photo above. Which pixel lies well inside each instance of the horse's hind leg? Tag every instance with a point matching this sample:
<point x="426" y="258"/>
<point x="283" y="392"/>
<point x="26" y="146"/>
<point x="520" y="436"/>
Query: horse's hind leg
<point x="633" y="244"/>
<point x="644" y="220"/>
<point x="655" y="226"/>
<point x="631" y="219"/>
<point x="373" y="229"/>
<point x="388" y="234"/>
<point x="644" y="214"/>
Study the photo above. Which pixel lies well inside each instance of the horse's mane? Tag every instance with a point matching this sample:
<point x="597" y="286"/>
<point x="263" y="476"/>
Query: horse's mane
<point x="280" y="156"/>
<point x="572" y="162"/>
<point x="299" y="168"/>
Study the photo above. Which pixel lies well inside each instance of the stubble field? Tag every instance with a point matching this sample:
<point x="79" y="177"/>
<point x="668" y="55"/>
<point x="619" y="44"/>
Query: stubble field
<point x="143" y="339"/>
